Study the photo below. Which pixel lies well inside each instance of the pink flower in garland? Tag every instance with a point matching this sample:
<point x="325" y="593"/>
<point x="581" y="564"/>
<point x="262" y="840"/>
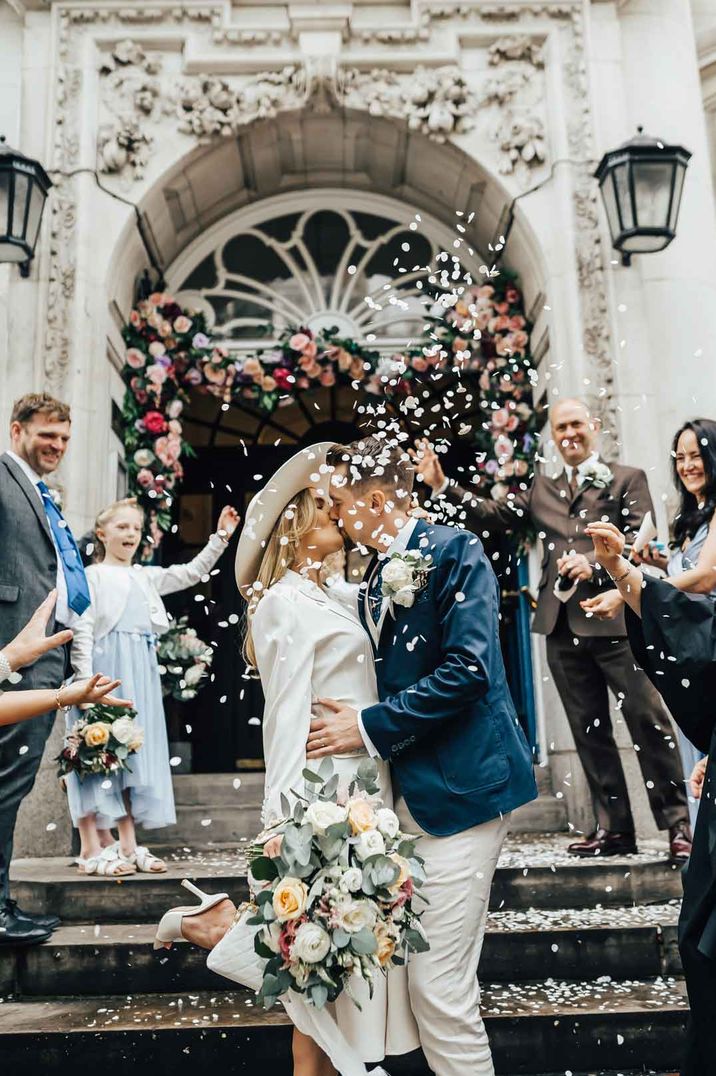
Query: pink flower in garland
<point x="136" y="358"/>
<point x="154" y="422"/>
<point x="157" y="374"/>
<point x="284" y="378"/>
<point x="157" y="348"/>
<point x="145" y="478"/>
<point x="299" y="342"/>
<point x="174" y="408"/>
<point x="193" y="376"/>
<point x="500" y="418"/>
<point x="200" y="341"/>
<point x="135" y="319"/>
<point x="168" y="449"/>
<point x="182" y="324"/>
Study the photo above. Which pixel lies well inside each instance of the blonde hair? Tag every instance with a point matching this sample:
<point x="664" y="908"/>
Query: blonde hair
<point x="297" y="518"/>
<point x="104" y="517"/>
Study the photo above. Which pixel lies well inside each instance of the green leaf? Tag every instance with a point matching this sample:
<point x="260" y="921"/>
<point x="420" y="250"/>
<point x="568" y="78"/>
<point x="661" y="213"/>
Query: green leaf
<point x="363" y="943"/>
<point x="341" y="937"/>
<point x="262" y="949"/>
<point x="416" y="940"/>
<point x="312" y="777"/>
<point x="319" y="995"/>
<point x="264" y="869"/>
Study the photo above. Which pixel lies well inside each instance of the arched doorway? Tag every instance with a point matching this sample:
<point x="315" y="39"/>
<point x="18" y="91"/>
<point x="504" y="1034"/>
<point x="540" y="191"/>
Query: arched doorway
<point x="326" y="252"/>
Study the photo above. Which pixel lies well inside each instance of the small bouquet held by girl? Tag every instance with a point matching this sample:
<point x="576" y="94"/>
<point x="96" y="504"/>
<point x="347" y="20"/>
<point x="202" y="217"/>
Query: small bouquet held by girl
<point x="100" y="742"/>
<point x="336" y="900"/>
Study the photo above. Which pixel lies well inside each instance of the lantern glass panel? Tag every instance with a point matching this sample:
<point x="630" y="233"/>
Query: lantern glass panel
<point x="652" y="193"/>
<point x="679" y="177"/>
<point x="37" y="202"/>
<point x="5" y="181"/>
<point x="623" y="194"/>
<point x="610" y="205"/>
<point x="22" y="185"/>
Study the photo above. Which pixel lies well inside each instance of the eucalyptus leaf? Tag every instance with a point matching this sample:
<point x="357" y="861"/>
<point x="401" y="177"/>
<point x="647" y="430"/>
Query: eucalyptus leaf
<point x="416" y="940"/>
<point x="363" y="943"/>
<point x="341" y="938"/>
<point x="285" y="806"/>
<point x="319" y="995"/>
<point x="312" y="777"/>
<point x="264" y="869"/>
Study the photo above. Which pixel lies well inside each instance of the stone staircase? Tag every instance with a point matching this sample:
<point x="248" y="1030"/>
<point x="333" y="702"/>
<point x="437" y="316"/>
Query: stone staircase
<point x="580" y="970"/>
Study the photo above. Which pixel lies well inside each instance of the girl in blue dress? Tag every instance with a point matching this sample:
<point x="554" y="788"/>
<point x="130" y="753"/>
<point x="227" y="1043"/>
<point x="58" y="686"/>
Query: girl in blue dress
<point x="118" y="634"/>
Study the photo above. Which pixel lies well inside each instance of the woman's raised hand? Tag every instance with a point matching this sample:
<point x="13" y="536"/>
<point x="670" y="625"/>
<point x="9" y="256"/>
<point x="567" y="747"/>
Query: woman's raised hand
<point x="228" y="522"/>
<point x="32" y="642"/>
<point x="608" y="542"/>
<point x="696" y="781"/>
<point x="87" y="692"/>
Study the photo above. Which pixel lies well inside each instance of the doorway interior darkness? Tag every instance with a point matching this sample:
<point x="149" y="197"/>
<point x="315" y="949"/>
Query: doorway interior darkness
<point x="237" y="450"/>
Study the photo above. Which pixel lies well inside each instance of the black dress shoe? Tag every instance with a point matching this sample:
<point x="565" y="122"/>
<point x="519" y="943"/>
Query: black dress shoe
<point x="46" y="922"/>
<point x="604" y="842"/>
<point x="15" y="931"/>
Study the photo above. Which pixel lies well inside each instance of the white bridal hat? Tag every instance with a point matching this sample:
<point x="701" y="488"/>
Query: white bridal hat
<point x="308" y="468"/>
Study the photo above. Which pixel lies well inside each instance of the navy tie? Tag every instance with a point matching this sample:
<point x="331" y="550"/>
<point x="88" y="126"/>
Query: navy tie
<point x="78" y="595"/>
<point x="375" y="597"/>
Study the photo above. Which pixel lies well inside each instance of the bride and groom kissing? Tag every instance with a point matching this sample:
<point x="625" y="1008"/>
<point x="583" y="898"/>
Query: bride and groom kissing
<point x="406" y="668"/>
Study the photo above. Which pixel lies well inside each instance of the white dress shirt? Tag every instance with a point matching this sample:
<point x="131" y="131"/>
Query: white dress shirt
<point x="63" y="613"/>
<point x="569" y="471"/>
<point x="398" y="545"/>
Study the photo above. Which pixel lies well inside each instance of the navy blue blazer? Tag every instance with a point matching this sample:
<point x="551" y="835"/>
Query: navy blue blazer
<point x="446" y="721"/>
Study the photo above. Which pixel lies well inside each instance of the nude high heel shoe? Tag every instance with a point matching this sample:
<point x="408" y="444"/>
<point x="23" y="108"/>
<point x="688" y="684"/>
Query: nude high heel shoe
<point x="169" y="929"/>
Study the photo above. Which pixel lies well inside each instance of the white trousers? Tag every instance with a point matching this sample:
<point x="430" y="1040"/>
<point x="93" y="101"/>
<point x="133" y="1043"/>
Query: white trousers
<point x="444" y="991"/>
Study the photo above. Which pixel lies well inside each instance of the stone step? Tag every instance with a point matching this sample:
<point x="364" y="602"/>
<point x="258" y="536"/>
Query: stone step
<point x="610" y="1025"/>
<point x="118" y="958"/>
<point x="531" y="874"/>
<point x="218" y="789"/>
<point x="207" y="826"/>
<point x="547" y="814"/>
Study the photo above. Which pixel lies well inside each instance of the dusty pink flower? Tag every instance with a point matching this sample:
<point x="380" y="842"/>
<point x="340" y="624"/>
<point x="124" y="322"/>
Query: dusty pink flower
<point x="165" y="329"/>
<point x="175" y="427"/>
<point x="182" y="324"/>
<point x="310" y="350"/>
<point x="500" y="419"/>
<point x="136" y="358"/>
<point x="504" y="449"/>
<point x="157" y="348"/>
<point x="517" y="322"/>
<point x="145" y="478"/>
<point x="168" y="449"/>
<point x="174" y="408"/>
<point x="135" y="319"/>
<point x="512" y="423"/>
<point x="520" y="340"/>
<point x="299" y="342"/>
<point x="215" y="374"/>
<point x="499" y="324"/>
<point x="157" y="374"/>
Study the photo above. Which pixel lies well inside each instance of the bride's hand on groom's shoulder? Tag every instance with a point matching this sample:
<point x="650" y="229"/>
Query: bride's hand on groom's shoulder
<point x="335" y="733"/>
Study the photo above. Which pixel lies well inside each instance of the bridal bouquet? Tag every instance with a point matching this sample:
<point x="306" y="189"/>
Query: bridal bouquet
<point x="338" y="899"/>
<point x="184" y="661"/>
<point x="100" y="742"/>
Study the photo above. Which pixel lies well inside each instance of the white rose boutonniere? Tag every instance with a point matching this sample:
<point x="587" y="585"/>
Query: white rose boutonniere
<point x="595" y="473"/>
<point x="404" y="576"/>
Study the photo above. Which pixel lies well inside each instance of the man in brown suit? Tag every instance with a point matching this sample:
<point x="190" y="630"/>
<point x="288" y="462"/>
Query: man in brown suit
<point x="587" y="655"/>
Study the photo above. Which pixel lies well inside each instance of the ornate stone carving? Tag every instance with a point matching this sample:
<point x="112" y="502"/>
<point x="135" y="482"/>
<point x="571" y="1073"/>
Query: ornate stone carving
<point x="437" y="102"/>
<point x="208" y="106"/>
<point x="514" y="94"/>
<point x="131" y="94"/>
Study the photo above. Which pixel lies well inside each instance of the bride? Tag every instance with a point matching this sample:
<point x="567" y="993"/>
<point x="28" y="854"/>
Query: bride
<point x="306" y="645"/>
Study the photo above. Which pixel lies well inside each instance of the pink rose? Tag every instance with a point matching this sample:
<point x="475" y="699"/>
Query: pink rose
<point x="135" y="319"/>
<point x="168" y="449"/>
<point x="154" y="320"/>
<point x="504" y="449"/>
<point x="299" y="342"/>
<point x="136" y="358"/>
<point x="182" y="324"/>
<point x="154" y="422"/>
<point x="328" y="378"/>
<point x="499" y="324"/>
<point x="500" y="419"/>
<point x="157" y="374"/>
<point x="215" y="374"/>
<point x="502" y="308"/>
<point x="517" y="322"/>
<point x="157" y="348"/>
<point x="512" y="423"/>
<point x="520" y="340"/>
<point x="175" y="427"/>
<point x="165" y="328"/>
<point x="310" y="350"/>
<point x="145" y="478"/>
<point x="174" y="408"/>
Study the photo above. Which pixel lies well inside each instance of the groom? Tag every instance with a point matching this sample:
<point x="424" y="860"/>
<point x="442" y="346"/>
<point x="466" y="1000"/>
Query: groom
<point x="459" y="759"/>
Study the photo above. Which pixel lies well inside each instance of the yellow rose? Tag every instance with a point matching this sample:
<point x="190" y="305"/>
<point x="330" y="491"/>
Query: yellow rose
<point x="386" y="943"/>
<point x="97" y="734"/>
<point x="289" y="899"/>
<point x="361" y="816"/>
<point x="404" y="870"/>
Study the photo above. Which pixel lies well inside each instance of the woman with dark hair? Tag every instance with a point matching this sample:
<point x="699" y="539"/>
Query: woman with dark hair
<point x="690" y="564"/>
<point x="673" y="637"/>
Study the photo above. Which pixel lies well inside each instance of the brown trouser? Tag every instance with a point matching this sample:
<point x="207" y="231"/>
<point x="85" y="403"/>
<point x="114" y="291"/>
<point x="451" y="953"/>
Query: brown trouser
<point x="582" y="672"/>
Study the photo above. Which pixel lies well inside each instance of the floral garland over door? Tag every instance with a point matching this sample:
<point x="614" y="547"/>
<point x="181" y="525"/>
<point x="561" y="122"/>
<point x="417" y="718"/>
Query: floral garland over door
<point x="482" y="339"/>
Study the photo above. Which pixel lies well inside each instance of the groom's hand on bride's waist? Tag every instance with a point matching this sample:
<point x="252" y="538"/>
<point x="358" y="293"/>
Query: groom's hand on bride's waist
<point x="335" y="733"/>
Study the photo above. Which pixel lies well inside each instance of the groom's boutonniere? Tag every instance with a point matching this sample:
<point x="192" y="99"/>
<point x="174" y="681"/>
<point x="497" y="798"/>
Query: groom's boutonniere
<point x="595" y="473"/>
<point x="404" y="576"/>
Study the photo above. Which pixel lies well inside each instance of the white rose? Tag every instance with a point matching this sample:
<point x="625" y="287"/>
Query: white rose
<point x="397" y="574"/>
<point x="124" y="730"/>
<point x="321" y="815"/>
<point x="272" y="933"/>
<point x="356" y="915"/>
<point x="353" y="879"/>
<point x="311" y="944"/>
<point x="143" y="457"/>
<point x="370" y="843"/>
<point x="405" y="597"/>
<point x="193" y="674"/>
<point x="387" y="822"/>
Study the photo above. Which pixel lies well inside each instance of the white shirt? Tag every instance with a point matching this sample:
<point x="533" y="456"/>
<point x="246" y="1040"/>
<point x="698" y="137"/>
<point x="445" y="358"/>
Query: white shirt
<point x="398" y="545"/>
<point x="63" y="613"/>
<point x="594" y="458"/>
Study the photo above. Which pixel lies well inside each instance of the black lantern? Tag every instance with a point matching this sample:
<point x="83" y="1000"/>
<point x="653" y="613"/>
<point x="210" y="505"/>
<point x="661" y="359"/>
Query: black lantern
<point x="641" y="184"/>
<point x="24" y="186"/>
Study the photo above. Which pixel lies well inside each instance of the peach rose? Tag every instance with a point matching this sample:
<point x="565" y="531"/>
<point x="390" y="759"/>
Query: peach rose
<point x="405" y="871"/>
<point x="385" y="943"/>
<point x="299" y="342"/>
<point x="356" y="369"/>
<point x="252" y="368"/>
<point x="96" y="734"/>
<point x="289" y="899"/>
<point x="168" y="449"/>
<point x="157" y="348"/>
<point x="165" y="329"/>
<point x="268" y="384"/>
<point x="310" y="350"/>
<point x="182" y="324"/>
<point x="485" y="292"/>
<point x="361" y="816"/>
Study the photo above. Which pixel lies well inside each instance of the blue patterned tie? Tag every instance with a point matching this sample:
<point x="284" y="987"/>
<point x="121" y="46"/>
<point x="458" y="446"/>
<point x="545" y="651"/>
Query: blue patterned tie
<point x="375" y="597"/>
<point x="78" y="596"/>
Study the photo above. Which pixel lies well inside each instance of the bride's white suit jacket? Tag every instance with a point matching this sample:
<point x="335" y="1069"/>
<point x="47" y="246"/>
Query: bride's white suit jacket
<point x="309" y="646"/>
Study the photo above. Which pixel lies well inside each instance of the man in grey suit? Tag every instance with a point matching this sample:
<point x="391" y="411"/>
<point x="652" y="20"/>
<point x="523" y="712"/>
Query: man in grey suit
<point x="39" y="554"/>
<point x="586" y="655"/>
